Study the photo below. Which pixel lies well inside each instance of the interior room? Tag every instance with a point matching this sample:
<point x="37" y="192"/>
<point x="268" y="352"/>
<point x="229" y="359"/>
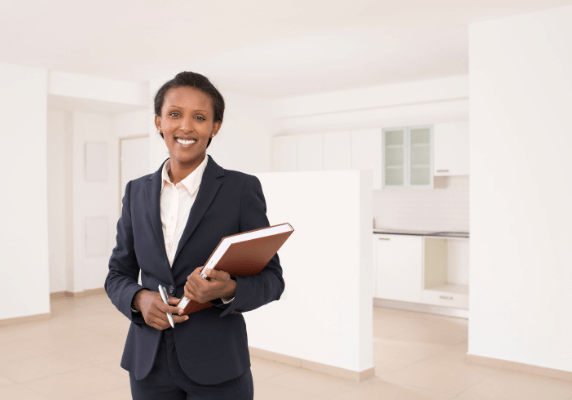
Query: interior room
<point x="419" y="149"/>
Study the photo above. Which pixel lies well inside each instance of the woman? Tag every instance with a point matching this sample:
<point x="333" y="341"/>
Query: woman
<point x="170" y="223"/>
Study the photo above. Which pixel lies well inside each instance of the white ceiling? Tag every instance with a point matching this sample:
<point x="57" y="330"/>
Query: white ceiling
<point x="256" y="47"/>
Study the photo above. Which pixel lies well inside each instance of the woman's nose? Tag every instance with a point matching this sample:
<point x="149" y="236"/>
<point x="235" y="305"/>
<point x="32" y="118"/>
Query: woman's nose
<point x="186" y="125"/>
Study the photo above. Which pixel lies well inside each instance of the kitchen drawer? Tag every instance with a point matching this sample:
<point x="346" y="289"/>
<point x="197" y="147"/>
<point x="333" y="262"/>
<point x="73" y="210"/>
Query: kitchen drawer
<point x="447" y="299"/>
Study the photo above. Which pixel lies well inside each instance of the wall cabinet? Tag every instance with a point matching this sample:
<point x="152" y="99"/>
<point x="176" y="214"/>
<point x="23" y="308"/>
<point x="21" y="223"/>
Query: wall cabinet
<point x="366" y="153"/>
<point x="337" y="150"/>
<point x="407" y="157"/>
<point x="451" y="149"/>
<point x="310" y="152"/>
<point x="285" y="153"/>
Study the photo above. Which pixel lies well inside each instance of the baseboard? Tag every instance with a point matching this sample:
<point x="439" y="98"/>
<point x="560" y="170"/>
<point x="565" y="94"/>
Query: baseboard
<point x="519" y="367"/>
<point x="84" y="293"/>
<point x="313" y="366"/>
<point x="27" y="318"/>
<point x="425" y="308"/>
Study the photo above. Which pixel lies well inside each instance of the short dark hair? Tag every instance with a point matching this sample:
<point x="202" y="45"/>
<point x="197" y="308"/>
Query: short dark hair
<point x="192" y="79"/>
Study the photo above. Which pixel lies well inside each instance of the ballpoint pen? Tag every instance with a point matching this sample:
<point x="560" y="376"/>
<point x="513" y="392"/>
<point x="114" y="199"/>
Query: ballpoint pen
<point x="165" y="299"/>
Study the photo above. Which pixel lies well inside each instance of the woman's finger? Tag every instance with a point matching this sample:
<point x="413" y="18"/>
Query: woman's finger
<point x="180" y="318"/>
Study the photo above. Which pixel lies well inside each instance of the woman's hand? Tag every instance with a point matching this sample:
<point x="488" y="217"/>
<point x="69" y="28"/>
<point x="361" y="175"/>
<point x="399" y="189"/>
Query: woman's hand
<point x="202" y="290"/>
<point x="155" y="311"/>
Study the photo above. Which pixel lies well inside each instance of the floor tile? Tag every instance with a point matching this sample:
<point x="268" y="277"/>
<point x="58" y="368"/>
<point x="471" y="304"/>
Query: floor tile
<point x="506" y="385"/>
<point x="77" y="384"/>
<point x="264" y="369"/>
<point x="19" y="349"/>
<point x="377" y="389"/>
<point x="313" y="383"/>
<point x="31" y="368"/>
<point x="441" y="378"/>
<point x="19" y="392"/>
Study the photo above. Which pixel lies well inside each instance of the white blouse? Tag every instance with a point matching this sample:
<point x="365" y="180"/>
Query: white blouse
<point x="176" y="202"/>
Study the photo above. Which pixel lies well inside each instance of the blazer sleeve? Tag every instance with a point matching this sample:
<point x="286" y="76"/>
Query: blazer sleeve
<point x="254" y="291"/>
<point x="121" y="283"/>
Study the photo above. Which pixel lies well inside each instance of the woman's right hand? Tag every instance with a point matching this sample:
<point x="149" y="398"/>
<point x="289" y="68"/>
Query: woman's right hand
<point x="155" y="311"/>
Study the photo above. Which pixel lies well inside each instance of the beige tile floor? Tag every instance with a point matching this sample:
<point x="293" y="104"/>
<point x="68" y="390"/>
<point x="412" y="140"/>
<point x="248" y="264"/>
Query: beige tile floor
<point x="417" y="356"/>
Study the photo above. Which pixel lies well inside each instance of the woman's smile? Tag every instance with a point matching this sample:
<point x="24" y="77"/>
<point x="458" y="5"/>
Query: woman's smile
<point x="186" y="143"/>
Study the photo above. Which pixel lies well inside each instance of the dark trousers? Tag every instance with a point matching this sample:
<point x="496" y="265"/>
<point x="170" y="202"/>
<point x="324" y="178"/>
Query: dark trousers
<point x="168" y="381"/>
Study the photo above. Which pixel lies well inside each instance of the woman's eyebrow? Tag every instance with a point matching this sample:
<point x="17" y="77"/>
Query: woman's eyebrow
<point x="174" y="106"/>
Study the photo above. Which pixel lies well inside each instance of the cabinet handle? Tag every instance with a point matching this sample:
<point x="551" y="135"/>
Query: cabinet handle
<point x="446" y="297"/>
<point x="442" y="170"/>
<point x="383" y="238"/>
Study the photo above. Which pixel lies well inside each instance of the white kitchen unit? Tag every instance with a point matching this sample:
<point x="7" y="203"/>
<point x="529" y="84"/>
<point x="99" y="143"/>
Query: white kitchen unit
<point x="451" y="149"/>
<point x="366" y="153"/>
<point x="310" y="150"/>
<point x="420" y="272"/>
<point x="398" y="267"/>
<point x="337" y="150"/>
<point x="285" y="153"/>
<point x="407" y="157"/>
<point x="437" y="287"/>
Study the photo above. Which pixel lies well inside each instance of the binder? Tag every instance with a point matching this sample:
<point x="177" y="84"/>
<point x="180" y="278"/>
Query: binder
<point x="240" y="257"/>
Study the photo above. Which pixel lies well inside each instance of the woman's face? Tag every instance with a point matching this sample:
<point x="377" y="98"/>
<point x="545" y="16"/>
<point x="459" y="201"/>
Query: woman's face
<point x="187" y="123"/>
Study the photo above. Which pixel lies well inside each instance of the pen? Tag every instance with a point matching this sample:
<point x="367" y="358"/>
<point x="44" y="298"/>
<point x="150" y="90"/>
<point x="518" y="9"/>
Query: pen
<point x="164" y="297"/>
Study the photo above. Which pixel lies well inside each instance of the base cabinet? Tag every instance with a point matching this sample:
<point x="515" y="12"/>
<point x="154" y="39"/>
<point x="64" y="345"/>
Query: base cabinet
<point x="398" y="261"/>
<point x="415" y="269"/>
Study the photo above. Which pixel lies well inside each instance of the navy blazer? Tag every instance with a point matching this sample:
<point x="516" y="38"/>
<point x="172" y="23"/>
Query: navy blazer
<point x="212" y="345"/>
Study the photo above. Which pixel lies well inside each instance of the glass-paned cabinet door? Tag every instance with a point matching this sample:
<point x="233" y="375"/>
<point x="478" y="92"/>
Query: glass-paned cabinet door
<point x="394" y="157"/>
<point x="407" y="157"/>
<point x="420" y="150"/>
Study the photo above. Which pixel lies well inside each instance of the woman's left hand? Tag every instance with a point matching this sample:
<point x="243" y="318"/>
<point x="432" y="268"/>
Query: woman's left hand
<point x="203" y="290"/>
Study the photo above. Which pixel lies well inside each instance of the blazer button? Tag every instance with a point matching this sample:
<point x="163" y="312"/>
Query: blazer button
<point x="171" y="289"/>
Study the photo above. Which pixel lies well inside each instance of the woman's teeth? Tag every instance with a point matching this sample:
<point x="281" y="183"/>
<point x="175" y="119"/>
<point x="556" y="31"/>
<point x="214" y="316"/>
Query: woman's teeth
<point x="186" y="142"/>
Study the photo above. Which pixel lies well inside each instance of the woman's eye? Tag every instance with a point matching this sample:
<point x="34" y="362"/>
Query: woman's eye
<point x="173" y="113"/>
<point x="201" y="118"/>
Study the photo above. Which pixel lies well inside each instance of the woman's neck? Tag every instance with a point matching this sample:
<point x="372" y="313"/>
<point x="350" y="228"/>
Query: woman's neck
<point x="179" y="171"/>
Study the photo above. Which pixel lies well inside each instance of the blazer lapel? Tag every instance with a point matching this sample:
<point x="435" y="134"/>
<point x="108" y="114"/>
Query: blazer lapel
<point x="207" y="191"/>
<point x="153" y="197"/>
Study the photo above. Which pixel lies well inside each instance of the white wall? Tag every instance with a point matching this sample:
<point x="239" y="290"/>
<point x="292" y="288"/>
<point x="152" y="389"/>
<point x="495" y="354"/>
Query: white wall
<point x="24" y="204"/>
<point x="57" y="201"/>
<point x="326" y="311"/>
<point x="521" y="189"/>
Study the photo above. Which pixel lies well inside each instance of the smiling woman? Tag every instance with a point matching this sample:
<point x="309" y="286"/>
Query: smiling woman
<point x="170" y="223"/>
<point x="188" y="115"/>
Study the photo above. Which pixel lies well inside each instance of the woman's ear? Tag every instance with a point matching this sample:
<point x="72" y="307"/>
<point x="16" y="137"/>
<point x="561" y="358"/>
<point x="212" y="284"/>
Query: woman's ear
<point x="216" y="127"/>
<point x="158" y="123"/>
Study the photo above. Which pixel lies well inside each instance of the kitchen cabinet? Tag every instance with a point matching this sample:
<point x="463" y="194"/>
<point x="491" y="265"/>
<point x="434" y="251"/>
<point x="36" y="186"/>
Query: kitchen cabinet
<point x="366" y="152"/>
<point x="337" y="150"/>
<point x="451" y="151"/>
<point x="407" y="157"/>
<point x="398" y="267"/>
<point x="285" y="153"/>
<point x="421" y="269"/>
<point x="437" y="289"/>
<point x="310" y="149"/>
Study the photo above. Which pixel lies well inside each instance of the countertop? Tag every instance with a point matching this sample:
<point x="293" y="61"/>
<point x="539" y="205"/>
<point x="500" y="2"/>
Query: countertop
<point x="420" y="233"/>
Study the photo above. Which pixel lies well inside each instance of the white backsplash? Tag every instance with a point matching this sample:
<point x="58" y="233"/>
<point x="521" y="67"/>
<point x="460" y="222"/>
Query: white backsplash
<point x="444" y="208"/>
